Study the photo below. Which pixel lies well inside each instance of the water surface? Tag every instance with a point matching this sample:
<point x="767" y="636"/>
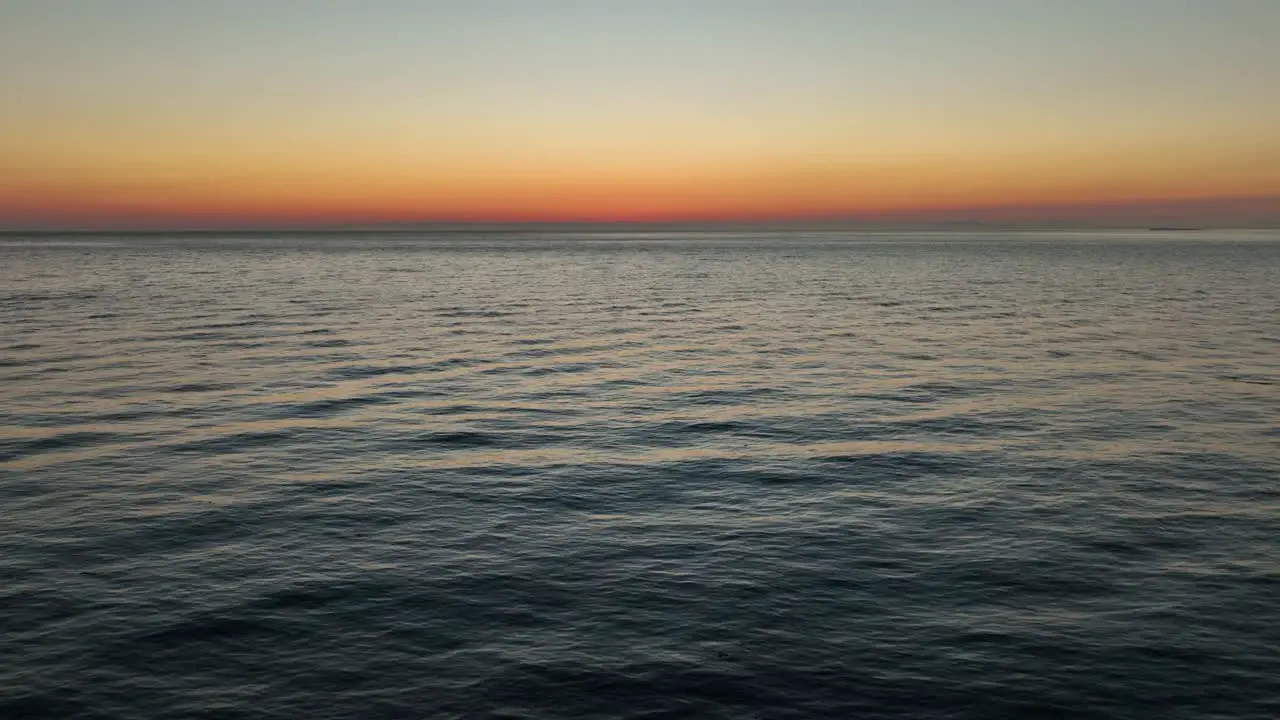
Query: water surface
<point x="640" y="476"/>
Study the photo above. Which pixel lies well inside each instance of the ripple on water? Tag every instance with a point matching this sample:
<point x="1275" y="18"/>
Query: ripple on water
<point x="723" y="475"/>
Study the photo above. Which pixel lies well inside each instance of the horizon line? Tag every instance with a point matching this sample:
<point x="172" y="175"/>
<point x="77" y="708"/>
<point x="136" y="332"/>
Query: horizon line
<point x="629" y="228"/>
<point x="1252" y="212"/>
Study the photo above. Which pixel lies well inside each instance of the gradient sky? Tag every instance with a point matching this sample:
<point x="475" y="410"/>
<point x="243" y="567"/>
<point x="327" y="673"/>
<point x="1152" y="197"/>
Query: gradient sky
<point x="159" y="112"/>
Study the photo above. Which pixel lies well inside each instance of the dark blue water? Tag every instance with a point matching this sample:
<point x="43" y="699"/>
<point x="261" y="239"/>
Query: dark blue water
<point x="646" y="476"/>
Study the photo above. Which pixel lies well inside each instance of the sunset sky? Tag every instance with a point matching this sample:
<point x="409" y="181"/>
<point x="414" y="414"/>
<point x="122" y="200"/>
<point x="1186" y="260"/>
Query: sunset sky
<point x="164" y="113"/>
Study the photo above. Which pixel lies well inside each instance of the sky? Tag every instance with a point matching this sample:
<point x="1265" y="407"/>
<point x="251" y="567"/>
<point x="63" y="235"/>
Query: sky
<point x="121" y="113"/>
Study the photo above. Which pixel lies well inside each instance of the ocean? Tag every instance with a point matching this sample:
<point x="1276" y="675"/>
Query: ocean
<point x="640" y="475"/>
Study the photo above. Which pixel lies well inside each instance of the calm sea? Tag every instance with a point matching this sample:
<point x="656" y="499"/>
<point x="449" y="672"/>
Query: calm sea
<point x="640" y="476"/>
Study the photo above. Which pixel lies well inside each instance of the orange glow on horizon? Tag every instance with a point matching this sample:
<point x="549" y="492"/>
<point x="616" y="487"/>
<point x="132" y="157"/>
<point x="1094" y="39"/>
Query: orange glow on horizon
<point x="314" y="196"/>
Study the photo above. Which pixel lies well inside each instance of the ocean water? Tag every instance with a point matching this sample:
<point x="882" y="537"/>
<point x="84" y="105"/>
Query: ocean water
<point x="760" y="475"/>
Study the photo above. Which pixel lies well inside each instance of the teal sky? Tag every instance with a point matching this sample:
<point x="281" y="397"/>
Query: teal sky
<point x="176" y="107"/>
